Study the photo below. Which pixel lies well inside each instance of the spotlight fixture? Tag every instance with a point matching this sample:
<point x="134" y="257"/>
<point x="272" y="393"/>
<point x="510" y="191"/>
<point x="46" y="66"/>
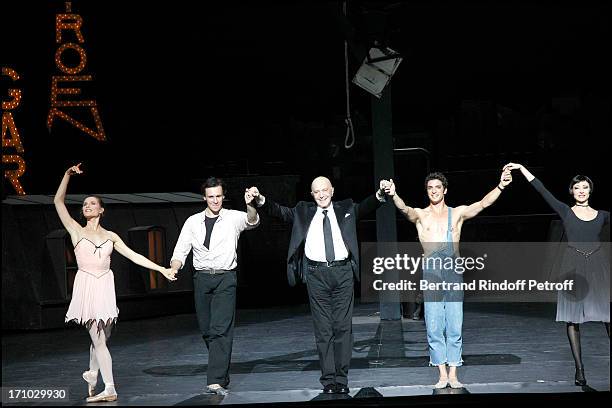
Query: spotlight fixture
<point x="376" y="70"/>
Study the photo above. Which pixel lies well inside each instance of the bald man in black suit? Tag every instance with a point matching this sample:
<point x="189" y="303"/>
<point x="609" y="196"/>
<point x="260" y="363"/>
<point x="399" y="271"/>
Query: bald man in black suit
<point x="324" y="254"/>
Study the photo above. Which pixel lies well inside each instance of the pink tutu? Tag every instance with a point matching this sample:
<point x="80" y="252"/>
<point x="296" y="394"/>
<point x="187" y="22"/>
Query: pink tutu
<point x="93" y="294"/>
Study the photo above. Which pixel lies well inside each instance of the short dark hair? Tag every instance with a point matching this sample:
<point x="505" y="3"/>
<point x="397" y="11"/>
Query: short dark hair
<point x="436" y="176"/>
<point x="100" y="203"/>
<point x="577" y="179"/>
<point x="212" y="182"/>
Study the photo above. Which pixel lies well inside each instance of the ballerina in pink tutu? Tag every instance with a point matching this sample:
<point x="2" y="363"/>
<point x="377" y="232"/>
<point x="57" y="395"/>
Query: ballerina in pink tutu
<point x="93" y="303"/>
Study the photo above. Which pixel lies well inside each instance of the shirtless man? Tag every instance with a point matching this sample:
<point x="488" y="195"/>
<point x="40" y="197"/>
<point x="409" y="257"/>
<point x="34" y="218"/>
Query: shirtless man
<point x="439" y="229"/>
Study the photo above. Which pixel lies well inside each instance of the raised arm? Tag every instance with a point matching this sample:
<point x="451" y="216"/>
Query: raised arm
<point x="139" y="259"/>
<point x="68" y="222"/>
<point x="371" y="203"/>
<point x="271" y="208"/>
<point x="410" y="213"/>
<point x="559" y="207"/>
<point x="470" y="211"/>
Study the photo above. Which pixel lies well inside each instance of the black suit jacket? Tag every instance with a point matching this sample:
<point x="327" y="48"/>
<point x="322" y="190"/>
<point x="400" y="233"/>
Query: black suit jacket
<point x="347" y="214"/>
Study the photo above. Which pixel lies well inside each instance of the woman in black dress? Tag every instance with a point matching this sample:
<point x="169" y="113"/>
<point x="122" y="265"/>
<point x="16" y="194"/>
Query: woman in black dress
<point x="584" y="259"/>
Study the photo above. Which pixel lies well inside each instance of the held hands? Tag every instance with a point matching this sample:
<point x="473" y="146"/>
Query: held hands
<point x="523" y="169"/>
<point x="248" y="197"/>
<point x="169" y="273"/>
<point x="513" y="166"/>
<point x="387" y="187"/>
<point x="74" y="170"/>
<point x="257" y="197"/>
<point x="506" y="177"/>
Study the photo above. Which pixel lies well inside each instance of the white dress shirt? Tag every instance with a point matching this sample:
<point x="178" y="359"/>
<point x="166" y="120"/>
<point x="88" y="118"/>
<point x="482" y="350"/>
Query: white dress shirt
<point x="314" y="248"/>
<point x="221" y="253"/>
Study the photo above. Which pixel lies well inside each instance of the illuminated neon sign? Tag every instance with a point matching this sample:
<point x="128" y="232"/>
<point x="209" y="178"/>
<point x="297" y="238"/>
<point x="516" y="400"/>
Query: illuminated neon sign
<point x="71" y="75"/>
<point x="14" y="141"/>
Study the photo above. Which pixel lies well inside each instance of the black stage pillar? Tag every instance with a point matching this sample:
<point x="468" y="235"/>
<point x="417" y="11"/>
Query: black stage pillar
<point x="382" y="141"/>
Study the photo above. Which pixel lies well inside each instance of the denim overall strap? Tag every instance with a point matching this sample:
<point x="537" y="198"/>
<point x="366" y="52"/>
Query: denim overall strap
<point x="449" y="232"/>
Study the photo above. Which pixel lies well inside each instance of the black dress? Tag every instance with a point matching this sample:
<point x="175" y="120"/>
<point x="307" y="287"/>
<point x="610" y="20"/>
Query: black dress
<point x="585" y="261"/>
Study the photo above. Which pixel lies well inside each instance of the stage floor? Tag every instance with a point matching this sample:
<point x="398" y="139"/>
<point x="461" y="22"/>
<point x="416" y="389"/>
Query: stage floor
<point x="508" y="348"/>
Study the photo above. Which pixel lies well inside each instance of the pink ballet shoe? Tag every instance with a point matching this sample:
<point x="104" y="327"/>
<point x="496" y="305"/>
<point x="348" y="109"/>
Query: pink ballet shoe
<point x="104" y="396"/>
<point x="91" y="377"/>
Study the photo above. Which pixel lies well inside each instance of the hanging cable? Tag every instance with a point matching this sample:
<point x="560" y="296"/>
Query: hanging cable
<point x="349" y="138"/>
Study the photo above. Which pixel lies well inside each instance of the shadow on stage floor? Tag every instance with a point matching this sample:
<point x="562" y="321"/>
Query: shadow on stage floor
<point x="512" y="354"/>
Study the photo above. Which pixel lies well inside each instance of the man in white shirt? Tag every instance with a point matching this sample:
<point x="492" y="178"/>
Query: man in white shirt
<point x="213" y="235"/>
<point x="324" y="253"/>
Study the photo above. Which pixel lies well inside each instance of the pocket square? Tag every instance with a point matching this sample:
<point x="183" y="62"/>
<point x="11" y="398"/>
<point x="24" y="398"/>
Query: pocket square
<point x="347" y="215"/>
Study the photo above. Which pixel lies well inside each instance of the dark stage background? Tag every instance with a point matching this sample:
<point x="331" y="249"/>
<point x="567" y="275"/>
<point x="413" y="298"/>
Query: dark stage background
<point x="190" y="89"/>
<point x="255" y="92"/>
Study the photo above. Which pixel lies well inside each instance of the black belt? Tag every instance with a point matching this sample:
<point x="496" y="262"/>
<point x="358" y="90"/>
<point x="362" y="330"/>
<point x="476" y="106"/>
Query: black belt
<point x="328" y="264"/>
<point x="214" y="271"/>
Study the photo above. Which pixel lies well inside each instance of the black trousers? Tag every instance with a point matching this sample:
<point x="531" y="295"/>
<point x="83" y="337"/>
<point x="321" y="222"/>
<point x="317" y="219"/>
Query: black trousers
<point x="215" y="302"/>
<point x="330" y="290"/>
